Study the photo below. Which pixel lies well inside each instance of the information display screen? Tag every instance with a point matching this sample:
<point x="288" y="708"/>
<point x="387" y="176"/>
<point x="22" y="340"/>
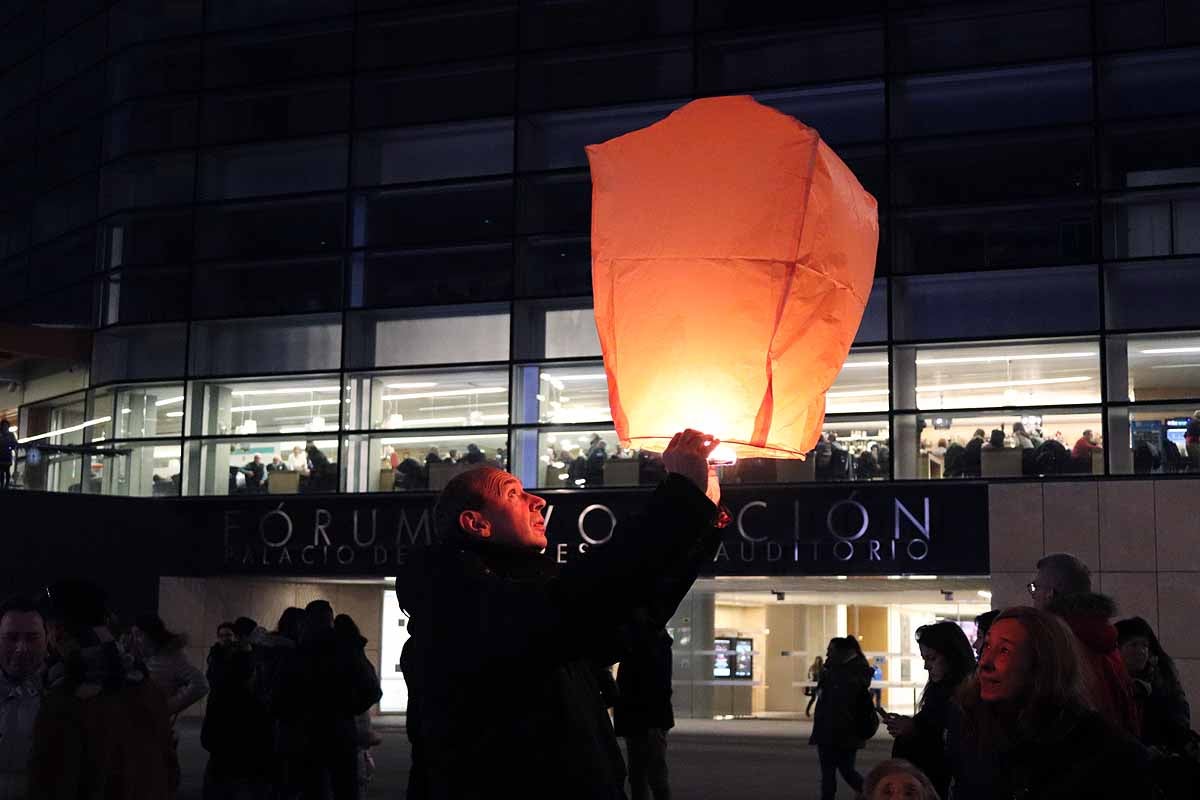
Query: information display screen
<point x="722" y="658"/>
<point x="743" y="666"/>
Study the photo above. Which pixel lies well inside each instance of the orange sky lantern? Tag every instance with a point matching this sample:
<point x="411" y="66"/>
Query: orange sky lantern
<point x="732" y="257"/>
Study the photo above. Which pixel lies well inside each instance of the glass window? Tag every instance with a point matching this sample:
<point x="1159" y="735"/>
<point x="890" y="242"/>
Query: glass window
<point x="74" y="306"/>
<point x="18" y="180"/>
<point x="1150" y="224"/>
<point x="987" y="33"/>
<point x="62" y="421"/>
<point x="554" y="265"/>
<point x="844" y="114"/>
<point x="555" y="203"/>
<point x="19" y="84"/>
<point x="862" y="385"/>
<point x="434" y="152"/>
<point x="272" y="229"/>
<point x="1129" y="24"/>
<point x="750" y="60"/>
<point x="295" y="405"/>
<point x="132" y="21"/>
<point x="547" y="23"/>
<point x="147" y="238"/>
<point x="429" y="214"/>
<point x="593" y="77"/>
<point x="150" y="125"/>
<point x="276" y="168"/>
<point x="944" y="240"/>
<point x="63" y="261"/>
<point x="580" y="458"/>
<point x="421" y="35"/>
<point x="434" y="94"/>
<point x="556" y="329"/>
<point x="277" y="113"/>
<point x="874" y="325"/>
<point x="19" y="132"/>
<point x="445" y="335"/>
<point x="221" y="14"/>
<point x="14" y="233"/>
<point x="133" y="296"/>
<point x="467" y="274"/>
<point x="1162" y="367"/>
<point x="227" y="466"/>
<point x="400" y="461"/>
<point x="993" y="168"/>
<point x="557" y="140"/>
<point x="70" y="155"/>
<point x="869" y="165"/>
<point x="851" y="448"/>
<point x="64" y="209"/>
<point x="148" y="411"/>
<point x="1151" y="153"/>
<point x="21" y="36"/>
<point x="439" y="399"/>
<point x="147" y="181"/>
<point x="272" y="344"/>
<point x="101" y="404"/>
<point x="14" y="277"/>
<point x="67" y="56"/>
<point x="144" y="352"/>
<point x="276" y="55"/>
<point x="960" y="444"/>
<point x="1009" y="374"/>
<point x="1154" y="294"/>
<point x="1137" y="84"/>
<point x="1154" y="440"/>
<point x="267" y="287"/>
<point x="129" y="469"/>
<point x="160" y="68"/>
<point x="1013" y="97"/>
<point x="561" y="394"/>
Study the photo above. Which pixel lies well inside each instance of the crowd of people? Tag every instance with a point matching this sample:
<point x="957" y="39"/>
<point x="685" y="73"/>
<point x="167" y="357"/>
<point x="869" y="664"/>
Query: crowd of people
<point x="1041" y="453"/>
<point x="316" y="473"/>
<point x="88" y="706"/>
<point x="1051" y="700"/>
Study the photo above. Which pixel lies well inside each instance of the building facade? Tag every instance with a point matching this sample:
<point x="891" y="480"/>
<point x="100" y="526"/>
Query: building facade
<point x="352" y="238"/>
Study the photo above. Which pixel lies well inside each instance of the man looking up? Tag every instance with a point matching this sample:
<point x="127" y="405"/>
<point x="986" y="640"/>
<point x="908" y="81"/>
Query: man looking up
<point x="22" y="659"/>
<point x="503" y="700"/>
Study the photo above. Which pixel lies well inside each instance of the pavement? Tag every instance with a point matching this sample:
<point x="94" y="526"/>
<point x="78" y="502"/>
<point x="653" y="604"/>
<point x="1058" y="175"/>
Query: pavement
<point x="708" y="760"/>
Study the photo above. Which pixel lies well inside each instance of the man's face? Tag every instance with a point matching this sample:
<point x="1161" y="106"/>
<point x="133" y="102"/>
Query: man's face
<point x="512" y="515"/>
<point x="1006" y="665"/>
<point x="1136" y="654"/>
<point x="225" y="636"/>
<point x="22" y="643"/>
<point x="897" y="787"/>
<point x="1043" y="589"/>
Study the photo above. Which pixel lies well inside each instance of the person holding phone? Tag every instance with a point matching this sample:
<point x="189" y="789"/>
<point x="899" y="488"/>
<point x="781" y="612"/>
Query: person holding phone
<point x="949" y="660"/>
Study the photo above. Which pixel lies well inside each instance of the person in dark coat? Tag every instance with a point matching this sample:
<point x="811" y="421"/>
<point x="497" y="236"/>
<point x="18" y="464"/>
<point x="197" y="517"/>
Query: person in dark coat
<point x="500" y="665"/>
<point x="920" y="740"/>
<point x="970" y="465"/>
<point x="836" y="731"/>
<point x="236" y="730"/>
<point x="643" y="713"/>
<point x="1166" y="714"/>
<point x="1063" y="587"/>
<point x="275" y="656"/>
<point x="1026" y="728"/>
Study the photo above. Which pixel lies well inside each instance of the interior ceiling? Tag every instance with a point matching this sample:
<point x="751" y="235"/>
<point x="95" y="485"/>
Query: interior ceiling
<point x="859" y="590"/>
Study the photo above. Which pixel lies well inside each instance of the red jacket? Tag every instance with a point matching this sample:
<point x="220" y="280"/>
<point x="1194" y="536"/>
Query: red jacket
<point x="1083" y="448"/>
<point x="1109" y="686"/>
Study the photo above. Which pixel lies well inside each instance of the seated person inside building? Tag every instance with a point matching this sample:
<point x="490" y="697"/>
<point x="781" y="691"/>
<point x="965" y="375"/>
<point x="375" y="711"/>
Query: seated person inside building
<point x="501" y="663"/>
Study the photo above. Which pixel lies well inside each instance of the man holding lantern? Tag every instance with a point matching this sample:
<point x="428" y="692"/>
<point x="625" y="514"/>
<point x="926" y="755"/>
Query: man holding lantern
<point x="503" y="700"/>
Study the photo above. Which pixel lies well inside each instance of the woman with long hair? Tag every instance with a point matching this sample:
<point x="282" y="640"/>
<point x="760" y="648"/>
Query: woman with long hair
<point x="1026" y="729"/>
<point x="843" y="692"/>
<point x="920" y="739"/>
<point x="1166" y="715"/>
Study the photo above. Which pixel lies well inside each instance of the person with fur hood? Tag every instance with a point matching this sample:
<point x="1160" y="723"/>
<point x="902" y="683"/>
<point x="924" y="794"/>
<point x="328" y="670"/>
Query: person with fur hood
<point x="1063" y="587"/>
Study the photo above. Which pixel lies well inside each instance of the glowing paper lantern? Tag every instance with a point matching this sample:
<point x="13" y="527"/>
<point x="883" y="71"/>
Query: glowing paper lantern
<point x="732" y="257"/>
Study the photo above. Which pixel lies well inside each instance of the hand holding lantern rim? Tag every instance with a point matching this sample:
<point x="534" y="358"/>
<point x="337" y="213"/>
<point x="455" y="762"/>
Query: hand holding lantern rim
<point x="687" y="455"/>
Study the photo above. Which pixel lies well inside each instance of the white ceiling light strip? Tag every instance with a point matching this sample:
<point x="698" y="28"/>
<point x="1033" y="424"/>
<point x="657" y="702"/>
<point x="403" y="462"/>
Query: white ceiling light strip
<point x="70" y="429"/>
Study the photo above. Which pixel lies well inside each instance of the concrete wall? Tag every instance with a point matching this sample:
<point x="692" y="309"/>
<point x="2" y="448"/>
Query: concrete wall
<point x="195" y="606"/>
<point x="1140" y="538"/>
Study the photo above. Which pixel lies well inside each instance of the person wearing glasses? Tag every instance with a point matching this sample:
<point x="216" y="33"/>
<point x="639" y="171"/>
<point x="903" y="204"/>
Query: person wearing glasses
<point x="1063" y="587"/>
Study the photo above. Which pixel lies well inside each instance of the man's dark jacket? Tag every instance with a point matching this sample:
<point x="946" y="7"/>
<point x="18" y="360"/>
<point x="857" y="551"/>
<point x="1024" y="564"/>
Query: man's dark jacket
<point x="839" y="698"/>
<point x="500" y="666"/>
<point x="644" y="683"/>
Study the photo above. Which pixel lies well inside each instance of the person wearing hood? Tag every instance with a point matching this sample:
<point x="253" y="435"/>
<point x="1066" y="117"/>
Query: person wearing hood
<point x="837" y="731"/>
<point x="275" y="660"/>
<point x="351" y="644"/>
<point x="1063" y="587"/>
<point x="103" y="731"/>
<point x="1024" y="726"/>
<point x="236" y="731"/>
<point x="501" y="661"/>
<point x="1166" y="714"/>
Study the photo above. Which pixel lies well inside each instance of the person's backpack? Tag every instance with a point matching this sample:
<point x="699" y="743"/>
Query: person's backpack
<point x="866" y="721"/>
<point x="952" y="460"/>
<point x="1052" y="458"/>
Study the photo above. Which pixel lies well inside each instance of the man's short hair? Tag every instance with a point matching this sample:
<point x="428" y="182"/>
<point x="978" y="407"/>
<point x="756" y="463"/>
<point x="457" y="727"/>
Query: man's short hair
<point x="1071" y="575"/>
<point x="318" y="612"/>
<point x="242" y="627"/>
<point x="464" y="492"/>
<point x="21" y="604"/>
